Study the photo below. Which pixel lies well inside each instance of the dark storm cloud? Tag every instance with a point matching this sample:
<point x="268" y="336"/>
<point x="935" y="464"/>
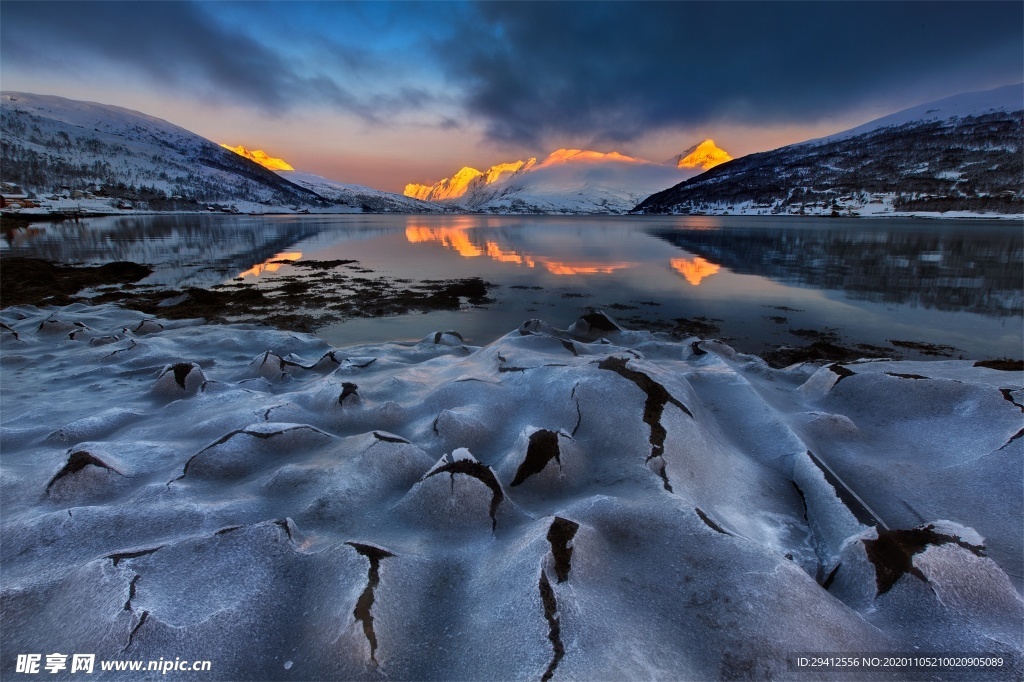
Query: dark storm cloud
<point x="178" y="45"/>
<point x="616" y="70"/>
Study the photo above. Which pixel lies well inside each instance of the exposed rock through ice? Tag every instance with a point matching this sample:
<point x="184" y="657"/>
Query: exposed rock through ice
<point x="77" y="461"/>
<point x="118" y="557"/>
<point x="709" y="523"/>
<point x="614" y="505"/>
<point x="547" y="596"/>
<point x="364" y="606"/>
<point x="840" y="371"/>
<point x="657" y="398"/>
<point x="482" y="473"/>
<point x="849" y="498"/>
<point x="135" y="629"/>
<point x="893" y="552"/>
<point x="542" y="449"/>
<point x="560" y="534"/>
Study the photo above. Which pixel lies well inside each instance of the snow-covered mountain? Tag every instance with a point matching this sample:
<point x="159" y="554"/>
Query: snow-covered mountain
<point x="567" y="181"/>
<point x="261" y="157"/>
<point x="52" y="145"/>
<point x="705" y="155"/>
<point x="960" y="154"/>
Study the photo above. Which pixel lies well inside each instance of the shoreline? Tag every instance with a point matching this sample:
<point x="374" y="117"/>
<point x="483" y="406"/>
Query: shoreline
<point x="37" y="282"/>
<point x="15" y="219"/>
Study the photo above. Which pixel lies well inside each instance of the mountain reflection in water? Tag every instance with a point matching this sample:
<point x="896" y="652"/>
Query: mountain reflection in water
<point x="980" y="273"/>
<point x="764" y="281"/>
<point x="694" y="269"/>
<point x="465" y="240"/>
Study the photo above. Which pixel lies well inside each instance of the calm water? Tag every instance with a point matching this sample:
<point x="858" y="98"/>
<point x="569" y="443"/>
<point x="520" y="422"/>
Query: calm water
<point x="947" y="282"/>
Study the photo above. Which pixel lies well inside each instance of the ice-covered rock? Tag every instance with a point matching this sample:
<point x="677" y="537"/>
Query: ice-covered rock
<point x="179" y="380"/>
<point x="583" y="503"/>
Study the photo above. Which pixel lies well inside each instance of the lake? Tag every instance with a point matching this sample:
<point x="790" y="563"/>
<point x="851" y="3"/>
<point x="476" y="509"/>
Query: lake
<point x="761" y="281"/>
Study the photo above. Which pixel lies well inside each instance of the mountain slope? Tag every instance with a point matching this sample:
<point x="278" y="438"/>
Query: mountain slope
<point x="566" y="181"/>
<point x="50" y="143"/>
<point x="962" y="153"/>
<point x="366" y="199"/>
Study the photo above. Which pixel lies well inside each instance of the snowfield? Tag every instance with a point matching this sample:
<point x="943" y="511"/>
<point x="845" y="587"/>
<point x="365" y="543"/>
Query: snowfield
<point x="588" y="503"/>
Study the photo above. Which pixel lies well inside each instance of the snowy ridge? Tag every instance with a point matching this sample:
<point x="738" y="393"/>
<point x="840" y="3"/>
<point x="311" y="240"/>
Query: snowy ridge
<point x="581" y="503"/>
<point x="1008" y="98"/>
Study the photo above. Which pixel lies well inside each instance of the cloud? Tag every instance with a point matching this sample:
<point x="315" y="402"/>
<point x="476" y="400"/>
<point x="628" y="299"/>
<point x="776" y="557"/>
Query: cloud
<point x="180" y="46"/>
<point x="615" y="70"/>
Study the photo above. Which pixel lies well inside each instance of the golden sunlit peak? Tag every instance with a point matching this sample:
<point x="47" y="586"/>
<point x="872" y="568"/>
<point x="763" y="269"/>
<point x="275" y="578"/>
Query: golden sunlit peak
<point x="260" y="157"/>
<point x="465" y="180"/>
<point x="449" y="188"/>
<point x="499" y="171"/>
<point x="421" y="192"/>
<point x="704" y="156"/>
<point x="564" y="155"/>
<point x="694" y="269"/>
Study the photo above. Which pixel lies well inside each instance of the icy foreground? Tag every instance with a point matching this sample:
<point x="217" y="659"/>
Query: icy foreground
<point x="590" y="504"/>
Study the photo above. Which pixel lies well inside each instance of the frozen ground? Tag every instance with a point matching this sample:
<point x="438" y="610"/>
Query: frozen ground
<point x="580" y="504"/>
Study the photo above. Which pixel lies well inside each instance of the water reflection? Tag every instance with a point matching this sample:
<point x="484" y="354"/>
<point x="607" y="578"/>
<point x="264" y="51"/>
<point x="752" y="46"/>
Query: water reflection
<point x="938" y="281"/>
<point x="966" y="268"/>
<point x="471" y="239"/>
<point x="694" y="269"/>
<point x="187" y="250"/>
<point x="454" y="238"/>
<point x="495" y="252"/>
<point x="272" y="264"/>
<point x="582" y="268"/>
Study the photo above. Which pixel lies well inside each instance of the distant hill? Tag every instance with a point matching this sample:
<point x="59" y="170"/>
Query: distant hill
<point x="960" y="154"/>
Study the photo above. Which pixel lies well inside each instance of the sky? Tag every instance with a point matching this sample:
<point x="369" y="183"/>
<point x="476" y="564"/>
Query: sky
<point x="387" y="93"/>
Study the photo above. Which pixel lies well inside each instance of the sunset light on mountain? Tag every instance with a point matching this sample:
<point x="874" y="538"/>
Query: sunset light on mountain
<point x="260" y="157"/>
<point x="704" y="156"/>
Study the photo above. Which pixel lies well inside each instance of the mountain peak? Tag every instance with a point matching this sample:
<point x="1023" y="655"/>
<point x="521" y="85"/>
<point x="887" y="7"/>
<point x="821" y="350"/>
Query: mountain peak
<point x="704" y="155"/>
<point x="565" y="155"/>
<point x="465" y="180"/>
<point x="260" y="157"/>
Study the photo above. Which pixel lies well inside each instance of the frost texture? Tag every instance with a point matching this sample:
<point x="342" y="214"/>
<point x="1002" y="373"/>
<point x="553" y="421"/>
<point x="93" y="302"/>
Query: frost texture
<point x="589" y="503"/>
